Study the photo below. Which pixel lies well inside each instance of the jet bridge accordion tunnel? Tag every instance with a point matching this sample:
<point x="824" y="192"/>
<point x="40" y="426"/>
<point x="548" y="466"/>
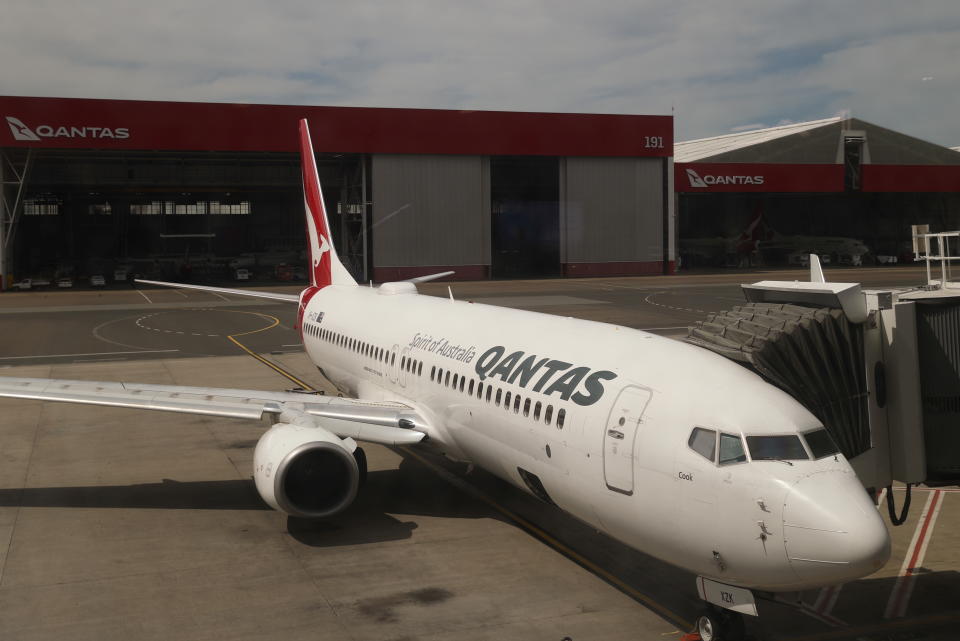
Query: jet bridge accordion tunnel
<point x="880" y="369"/>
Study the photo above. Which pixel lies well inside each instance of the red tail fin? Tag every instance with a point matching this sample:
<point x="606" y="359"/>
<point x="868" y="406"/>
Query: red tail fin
<point x="318" y="232"/>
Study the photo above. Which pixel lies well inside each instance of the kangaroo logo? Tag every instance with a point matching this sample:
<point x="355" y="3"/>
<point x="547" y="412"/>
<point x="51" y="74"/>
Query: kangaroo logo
<point x="20" y="131"/>
<point x="695" y="179"/>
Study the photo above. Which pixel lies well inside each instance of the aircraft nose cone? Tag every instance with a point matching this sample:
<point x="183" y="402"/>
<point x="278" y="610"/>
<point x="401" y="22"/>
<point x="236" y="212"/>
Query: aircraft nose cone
<point x="832" y="531"/>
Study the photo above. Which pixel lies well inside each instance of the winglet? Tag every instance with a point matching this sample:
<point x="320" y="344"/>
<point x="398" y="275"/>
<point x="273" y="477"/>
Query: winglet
<point x="816" y="271"/>
<point x="325" y="266"/>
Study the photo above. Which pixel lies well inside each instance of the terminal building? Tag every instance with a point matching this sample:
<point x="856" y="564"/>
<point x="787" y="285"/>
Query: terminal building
<point x="197" y="191"/>
<point x="843" y="188"/>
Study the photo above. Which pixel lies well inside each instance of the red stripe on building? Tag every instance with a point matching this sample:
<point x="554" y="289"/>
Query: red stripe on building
<point x="911" y="178"/>
<point x="178" y="126"/>
<point x="708" y="178"/>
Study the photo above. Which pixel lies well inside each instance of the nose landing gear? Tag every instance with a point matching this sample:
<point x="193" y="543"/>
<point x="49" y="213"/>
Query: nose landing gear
<point x="717" y="624"/>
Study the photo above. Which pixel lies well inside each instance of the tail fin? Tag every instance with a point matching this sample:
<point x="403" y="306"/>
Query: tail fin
<point x="325" y="266"/>
<point x="816" y="271"/>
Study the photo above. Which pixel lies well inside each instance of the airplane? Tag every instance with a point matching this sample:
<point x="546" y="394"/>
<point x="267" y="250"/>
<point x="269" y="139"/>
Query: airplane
<point x="759" y="241"/>
<point x="667" y="447"/>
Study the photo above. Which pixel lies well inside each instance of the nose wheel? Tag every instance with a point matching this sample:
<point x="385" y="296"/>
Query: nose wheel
<point x="715" y="624"/>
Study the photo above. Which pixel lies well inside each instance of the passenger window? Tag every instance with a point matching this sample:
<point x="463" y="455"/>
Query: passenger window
<point x="455" y="381"/>
<point x="506" y="400"/>
<point x="470" y="388"/>
<point x="536" y="411"/>
<point x="446" y="379"/>
<point x="419" y="368"/>
<point x="516" y="404"/>
<point x="548" y="414"/>
<point x="433" y="372"/>
<point x="499" y="392"/>
<point x="704" y="443"/>
<point x="526" y="407"/>
<point x="462" y="381"/>
<point x="393" y="358"/>
<point x="561" y="417"/>
<point x="731" y="449"/>
<point x="480" y="390"/>
<point x="489" y="390"/>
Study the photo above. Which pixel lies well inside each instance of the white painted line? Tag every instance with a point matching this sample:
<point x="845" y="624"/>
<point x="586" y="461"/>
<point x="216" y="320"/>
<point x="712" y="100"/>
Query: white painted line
<point x="650" y="329"/>
<point x="180" y="292"/>
<point x="219" y="295"/>
<point x="143" y="351"/>
<point x="827" y="600"/>
<point x="916" y="551"/>
<point x="145" y="296"/>
<point x="293" y="345"/>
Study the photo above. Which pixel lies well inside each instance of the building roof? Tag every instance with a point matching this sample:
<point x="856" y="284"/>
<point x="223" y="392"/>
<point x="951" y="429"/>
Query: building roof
<point x="693" y="150"/>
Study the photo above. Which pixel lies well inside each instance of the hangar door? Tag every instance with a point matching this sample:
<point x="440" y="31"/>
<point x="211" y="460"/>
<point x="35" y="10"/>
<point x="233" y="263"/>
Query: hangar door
<point x="525" y="216"/>
<point x="614" y="210"/>
<point x="430" y="211"/>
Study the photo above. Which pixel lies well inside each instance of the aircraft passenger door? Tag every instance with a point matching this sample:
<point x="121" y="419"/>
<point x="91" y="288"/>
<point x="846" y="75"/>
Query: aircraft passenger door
<point x="619" y="438"/>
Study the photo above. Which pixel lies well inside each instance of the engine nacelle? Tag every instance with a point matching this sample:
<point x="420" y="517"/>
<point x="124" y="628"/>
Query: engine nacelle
<point x="304" y="470"/>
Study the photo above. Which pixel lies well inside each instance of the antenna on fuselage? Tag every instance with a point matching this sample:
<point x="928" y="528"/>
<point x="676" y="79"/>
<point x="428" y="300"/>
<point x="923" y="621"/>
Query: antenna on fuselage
<point x="450" y="291"/>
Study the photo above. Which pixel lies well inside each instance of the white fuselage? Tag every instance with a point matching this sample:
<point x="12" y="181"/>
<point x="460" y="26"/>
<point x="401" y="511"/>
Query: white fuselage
<point x="621" y="460"/>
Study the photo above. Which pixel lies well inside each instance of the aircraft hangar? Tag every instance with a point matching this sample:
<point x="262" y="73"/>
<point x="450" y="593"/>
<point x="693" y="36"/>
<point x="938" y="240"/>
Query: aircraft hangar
<point x="196" y="191"/>
<point x="843" y="188"/>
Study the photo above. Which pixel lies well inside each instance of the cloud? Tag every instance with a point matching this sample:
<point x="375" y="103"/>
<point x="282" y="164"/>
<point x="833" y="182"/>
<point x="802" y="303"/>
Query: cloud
<point x="720" y="66"/>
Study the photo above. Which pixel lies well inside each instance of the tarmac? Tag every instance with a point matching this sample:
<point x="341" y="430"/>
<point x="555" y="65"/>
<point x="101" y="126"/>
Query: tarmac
<point x="135" y="525"/>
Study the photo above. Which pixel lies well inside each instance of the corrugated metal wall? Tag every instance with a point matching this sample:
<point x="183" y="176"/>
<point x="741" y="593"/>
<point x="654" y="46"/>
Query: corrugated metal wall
<point x="431" y="210"/>
<point x="612" y="209"/>
<point x="938" y="343"/>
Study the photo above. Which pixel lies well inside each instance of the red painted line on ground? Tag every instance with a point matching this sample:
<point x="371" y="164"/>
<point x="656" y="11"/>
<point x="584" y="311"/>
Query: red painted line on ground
<point x="903" y="588"/>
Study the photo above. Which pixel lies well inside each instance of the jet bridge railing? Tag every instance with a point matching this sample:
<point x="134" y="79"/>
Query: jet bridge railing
<point x="942" y="247"/>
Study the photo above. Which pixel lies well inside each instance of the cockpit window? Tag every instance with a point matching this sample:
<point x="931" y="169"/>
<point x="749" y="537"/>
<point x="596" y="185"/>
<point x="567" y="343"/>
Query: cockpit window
<point x="703" y="442"/>
<point x="776" y="448"/>
<point x="731" y="450"/>
<point x="821" y="444"/>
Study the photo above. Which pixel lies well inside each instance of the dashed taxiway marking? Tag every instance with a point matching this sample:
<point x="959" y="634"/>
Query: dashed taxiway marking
<point x="678" y="309"/>
<point x="142" y="325"/>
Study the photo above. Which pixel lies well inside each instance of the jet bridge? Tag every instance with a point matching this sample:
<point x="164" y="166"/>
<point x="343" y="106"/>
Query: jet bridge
<point x="880" y="368"/>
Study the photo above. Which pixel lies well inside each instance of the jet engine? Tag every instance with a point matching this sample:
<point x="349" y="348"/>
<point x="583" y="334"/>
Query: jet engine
<point x="304" y="470"/>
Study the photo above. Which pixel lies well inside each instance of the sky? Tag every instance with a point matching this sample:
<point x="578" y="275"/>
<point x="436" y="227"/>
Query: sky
<point x="717" y="66"/>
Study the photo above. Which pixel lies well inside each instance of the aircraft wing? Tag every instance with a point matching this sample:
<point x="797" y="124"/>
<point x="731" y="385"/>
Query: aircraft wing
<point x="374" y="422"/>
<point x="286" y="298"/>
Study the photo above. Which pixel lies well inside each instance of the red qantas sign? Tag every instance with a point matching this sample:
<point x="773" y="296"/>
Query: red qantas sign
<point x="911" y="178"/>
<point x="756" y="177"/>
<point x="126" y="124"/>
